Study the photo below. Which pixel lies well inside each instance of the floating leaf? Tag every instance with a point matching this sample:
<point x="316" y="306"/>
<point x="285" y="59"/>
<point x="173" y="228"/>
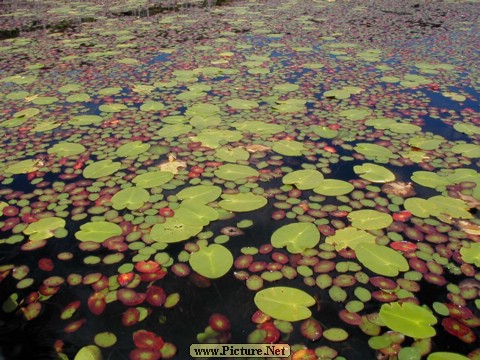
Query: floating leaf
<point x="133" y="148"/>
<point x="101" y="168"/>
<point x="242" y="202"/>
<point x="370" y="219"/>
<point x="380" y="259"/>
<point x="373" y="151"/>
<point x="446" y="356"/>
<point x="202" y="110"/>
<point x="66" y="149"/>
<point x="131" y="198"/>
<point x="356" y="114"/>
<point x="455" y="208"/>
<point x="409" y="319"/>
<point x="471" y="255"/>
<point x="152" y="106"/>
<point x="297" y="237"/>
<point x="258" y="127"/>
<point x="82" y="120"/>
<point x="333" y="187"/>
<point x="288" y="147"/>
<point x="174" y="130"/>
<point x="349" y="237"/>
<point x="98" y="231"/>
<point x="213" y="138"/>
<point x="290" y="105"/>
<point x="324" y="131"/>
<point x="374" y="173"/>
<point x="466" y="128"/>
<point x="82" y="97"/>
<point x="284" y="303"/>
<point x="211" y="261"/>
<point x="45" y="126"/>
<point x="232" y="172"/>
<point x="468" y="150"/>
<point x="152" y="179"/>
<point x="44" y="228"/>
<point x="112" y="108"/>
<point x="429" y="179"/>
<point x="232" y="155"/>
<point x="425" y="143"/>
<point x="418" y="207"/>
<point x="242" y="104"/>
<point x="172" y="231"/>
<point x="304" y="179"/>
<point x="202" y="194"/>
<point x="89" y="352"/>
<point x="195" y="213"/>
<point x="23" y="167"/>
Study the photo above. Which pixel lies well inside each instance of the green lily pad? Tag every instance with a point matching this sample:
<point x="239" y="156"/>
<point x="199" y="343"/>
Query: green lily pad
<point x="425" y="143"/>
<point x="232" y="172"/>
<point x="174" y="130"/>
<point x="242" y="202"/>
<point x="23" y="167"/>
<point x="373" y="151"/>
<point x="409" y="319"/>
<point x="202" y="194"/>
<point x="232" y="154"/>
<point x="213" y="138"/>
<point x="288" y="147"/>
<point x="290" y="105"/>
<point x="133" y="148"/>
<point x="466" y="128"/>
<point x="131" y="198"/>
<point x="26" y="113"/>
<point x="82" y="97"/>
<point x="44" y="100"/>
<point x="403" y="128"/>
<point x="202" y="110"/>
<point x="380" y="123"/>
<point x="44" y="228"/>
<point x="211" y="261"/>
<point x="471" y="255"/>
<point x="112" y="108"/>
<point x="242" y="104"/>
<point x="98" y="231"/>
<point x="152" y="179"/>
<point x="468" y="150"/>
<point x="66" y="149"/>
<point x="195" y="213"/>
<point x="349" y="237"/>
<point x="89" y="352"/>
<point x="45" y="126"/>
<point x="370" y="219"/>
<point x="304" y="179"/>
<point x="430" y="179"/>
<point x="82" y="120"/>
<point x="101" y="168"/>
<point x="152" y="106"/>
<point x="69" y="88"/>
<point x="333" y="187"/>
<point x="297" y="237"/>
<point x="258" y="127"/>
<point x="446" y="356"/>
<point x="418" y="207"/>
<point x="110" y="91"/>
<point x="380" y="259"/>
<point x="13" y="122"/>
<point x="356" y="114"/>
<point x="374" y="173"/>
<point x="324" y="131"/>
<point x="455" y="208"/>
<point x="202" y="122"/>
<point x="172" y="231"/>
<point x="286" y="87"/>
<point x="284" y="303"/>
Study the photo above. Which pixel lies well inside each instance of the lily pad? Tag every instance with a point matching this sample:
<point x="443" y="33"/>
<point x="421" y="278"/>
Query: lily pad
<point x="82" y="120"/>
<point x="89" y="352"/>
<point x="152" y="179"/>
<point x="242" y="202"/>
<point x="284" y="303"/>
<point x="429" y="179"/>
<point x="101" y="168"/>
<point x="446" y="356"/>
<point x="23" y="167"/>
<point x="380" y="259"/>
<point x="356" y="114"/>
<point x="152" y="106"/>
<point x="232" y="172"/>
<point x="370" y="219"/>
<point x="202" y="194"/>
<point x="471" y="255"/>
<point x="333" y="187"/>
<point x="172" y="231"/>
<point x="211" y="261"/>
<point x="133" y="148"/>
<point x="44" y="228"/>
<point x="258" y="127"/>
<point x="66" y="149"/>
<point x="374" y="173"/>
<point x="468" y="150"/>
<point x="304" y="179"/>
<point x="98" y="231"/>
<point x="408" y="319"/>
<point x="349" y="237"/>
<point x="131" y="198"/>
<point x="324" y="131"/>
<point x="296" y="237"/>
<point x="213" y="138"/>
<point x="288" y="147"/>
<point x="232" y="154"/>
<point x="373" y="151"/>
<point x="112" y="108"/>
<point x="195" y="213"/>
<point x="174" y="130"/>
<point x="242" y="104"/>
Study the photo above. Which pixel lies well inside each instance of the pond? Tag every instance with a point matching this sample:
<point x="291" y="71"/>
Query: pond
<point x="261" y="172"/>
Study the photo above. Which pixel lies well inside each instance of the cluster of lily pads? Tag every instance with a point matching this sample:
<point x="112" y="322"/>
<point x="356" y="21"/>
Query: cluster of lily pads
<point x="146" y="160"/>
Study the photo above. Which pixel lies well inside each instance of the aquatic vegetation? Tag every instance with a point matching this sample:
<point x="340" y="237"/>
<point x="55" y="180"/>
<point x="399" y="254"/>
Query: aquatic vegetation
<point x="305" y="171"/>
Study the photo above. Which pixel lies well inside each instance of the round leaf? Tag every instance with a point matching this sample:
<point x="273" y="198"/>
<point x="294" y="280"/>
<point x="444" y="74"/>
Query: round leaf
<point x="242" y="202"/>
<point x="211" y="261"/>
<point x="101" y="168"/>
<point x="202" y="194"/>
<point x="297" y="237"/>
<point x="172" y="231"/>
<point x="232" y="172"/>
<point x="380" y="259"/>
<point x="333" y="187"/>
<point x="370" y="219"/>
<point x="131" y="198"/>
<point x="284" y="303"/>
<point x="304" y="179"/>
<point x="152" y="179"/>
<point x="98" y="231"/>
<point x="374" y="173"/>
